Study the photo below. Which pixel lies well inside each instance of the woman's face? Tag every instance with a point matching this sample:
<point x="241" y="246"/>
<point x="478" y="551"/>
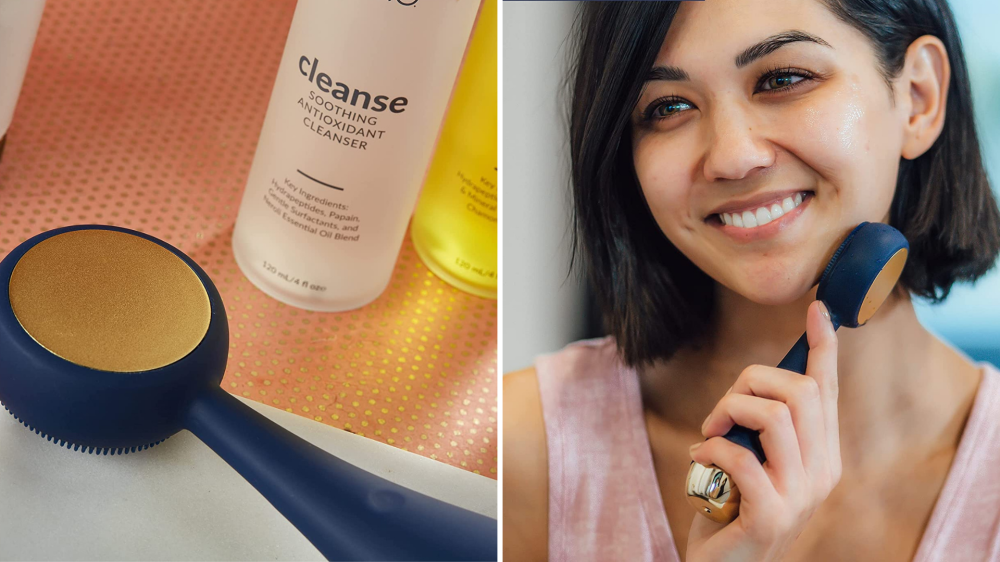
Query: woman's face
<point x="765" y="134"/>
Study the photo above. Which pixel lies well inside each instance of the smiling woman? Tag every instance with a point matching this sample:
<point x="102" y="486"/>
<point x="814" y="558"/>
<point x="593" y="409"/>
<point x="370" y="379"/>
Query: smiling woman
<point x="721" y="152"/>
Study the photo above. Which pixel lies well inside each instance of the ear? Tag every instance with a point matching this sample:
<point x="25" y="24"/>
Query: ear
<point x="922" y="89"/>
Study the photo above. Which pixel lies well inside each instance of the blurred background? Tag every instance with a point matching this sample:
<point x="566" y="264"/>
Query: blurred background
<point x="544" y="308"/>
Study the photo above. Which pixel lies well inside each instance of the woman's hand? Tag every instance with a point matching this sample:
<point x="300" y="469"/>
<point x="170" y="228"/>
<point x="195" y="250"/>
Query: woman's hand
<point x="796" y="416"/>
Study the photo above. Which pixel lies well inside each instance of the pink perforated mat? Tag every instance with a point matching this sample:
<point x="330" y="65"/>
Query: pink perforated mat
<point x="146" y="115"/>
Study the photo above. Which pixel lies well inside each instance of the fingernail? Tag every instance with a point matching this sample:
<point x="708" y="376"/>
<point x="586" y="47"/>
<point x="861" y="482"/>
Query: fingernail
<point x="824" y="310"/>
<point x="695" y="447"/>
<point x="704" y="424"/>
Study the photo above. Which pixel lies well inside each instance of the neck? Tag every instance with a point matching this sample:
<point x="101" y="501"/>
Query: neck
<point x="902" y="391"/>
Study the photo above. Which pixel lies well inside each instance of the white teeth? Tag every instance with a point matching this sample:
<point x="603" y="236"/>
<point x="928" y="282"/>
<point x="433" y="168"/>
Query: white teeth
<point x="762" y="215"/>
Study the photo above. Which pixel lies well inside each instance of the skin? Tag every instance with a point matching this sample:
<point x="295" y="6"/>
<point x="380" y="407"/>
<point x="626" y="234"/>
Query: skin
<point x="862" y="444"/>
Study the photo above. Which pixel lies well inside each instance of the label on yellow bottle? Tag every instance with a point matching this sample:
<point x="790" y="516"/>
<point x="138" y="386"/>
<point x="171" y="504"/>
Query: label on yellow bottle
<point x="454" y="228"/>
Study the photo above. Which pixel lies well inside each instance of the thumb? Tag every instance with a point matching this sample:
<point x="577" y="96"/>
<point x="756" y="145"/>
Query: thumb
<point x="822" y="363"/>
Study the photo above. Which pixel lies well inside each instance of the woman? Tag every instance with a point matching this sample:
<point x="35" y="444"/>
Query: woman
<point x="721" y="152"/>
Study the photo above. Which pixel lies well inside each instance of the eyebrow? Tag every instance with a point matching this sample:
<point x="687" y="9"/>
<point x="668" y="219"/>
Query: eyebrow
<point x="668" y="73"/>
<point x="773" y="43"/>
<point x="752" y="53"/>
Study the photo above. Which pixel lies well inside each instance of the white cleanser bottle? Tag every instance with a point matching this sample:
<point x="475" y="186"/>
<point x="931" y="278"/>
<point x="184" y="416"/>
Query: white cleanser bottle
<point x="19" y="20"/>
<point x="353" y="118"/>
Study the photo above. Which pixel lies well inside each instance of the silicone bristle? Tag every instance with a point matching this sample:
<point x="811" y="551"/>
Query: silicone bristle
<point x="840" y="250"/>
<point x="84" y="448"/>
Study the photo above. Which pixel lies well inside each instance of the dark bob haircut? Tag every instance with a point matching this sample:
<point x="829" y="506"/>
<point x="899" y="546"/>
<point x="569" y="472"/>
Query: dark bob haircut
<point x="652" y="298"/>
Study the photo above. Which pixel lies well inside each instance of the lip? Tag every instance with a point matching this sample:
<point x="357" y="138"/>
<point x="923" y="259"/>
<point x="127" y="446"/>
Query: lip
<point x="753" y="203"/>
<point x="769" y="230"/>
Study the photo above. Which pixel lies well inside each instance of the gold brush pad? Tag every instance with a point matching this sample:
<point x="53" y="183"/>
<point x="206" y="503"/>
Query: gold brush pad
<point x="883" y="284"/>
<point x="109" y="300"/>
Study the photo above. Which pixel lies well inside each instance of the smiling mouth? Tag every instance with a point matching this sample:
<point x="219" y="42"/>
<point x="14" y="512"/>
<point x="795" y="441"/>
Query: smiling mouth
<point x="756" y="217"/>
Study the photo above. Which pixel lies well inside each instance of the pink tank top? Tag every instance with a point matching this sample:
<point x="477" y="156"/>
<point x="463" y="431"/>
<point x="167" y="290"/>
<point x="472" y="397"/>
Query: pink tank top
<point x="604" y="501"/>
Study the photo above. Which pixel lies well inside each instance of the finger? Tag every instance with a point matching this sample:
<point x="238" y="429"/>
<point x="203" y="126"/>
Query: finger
<point x="822" y="363"/>
<point x="802" y="396"/>
<point x="822" y="367"/>
<point x="773" y="421"/>
<point x="742" y="466"/>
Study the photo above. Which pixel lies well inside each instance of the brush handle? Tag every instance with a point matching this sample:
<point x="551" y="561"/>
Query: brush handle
<point x="346" y="512"/>
<point x="795" y="360"/>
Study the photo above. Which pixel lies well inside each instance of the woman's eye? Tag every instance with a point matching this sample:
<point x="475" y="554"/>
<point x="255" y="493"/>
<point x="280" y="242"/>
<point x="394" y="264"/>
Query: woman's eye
<point x="780" y="81"/>
<point x="669" y="108"/>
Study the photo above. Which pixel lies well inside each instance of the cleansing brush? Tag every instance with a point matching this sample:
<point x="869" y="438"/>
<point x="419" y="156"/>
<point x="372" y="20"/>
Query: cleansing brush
<point x="859" y="277"/>
<point x="112" y="340"/>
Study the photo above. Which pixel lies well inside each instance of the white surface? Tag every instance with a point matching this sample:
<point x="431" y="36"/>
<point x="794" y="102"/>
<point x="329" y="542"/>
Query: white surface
<point x="179" y="500"/>
<point x="542" y="309"/>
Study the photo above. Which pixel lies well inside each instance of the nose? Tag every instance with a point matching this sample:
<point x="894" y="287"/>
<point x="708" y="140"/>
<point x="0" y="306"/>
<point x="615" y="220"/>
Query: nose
<point x="736" y="144"/>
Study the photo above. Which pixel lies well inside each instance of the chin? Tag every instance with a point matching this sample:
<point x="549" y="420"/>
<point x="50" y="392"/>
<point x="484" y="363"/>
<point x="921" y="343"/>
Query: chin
<point x="774" y="290"/>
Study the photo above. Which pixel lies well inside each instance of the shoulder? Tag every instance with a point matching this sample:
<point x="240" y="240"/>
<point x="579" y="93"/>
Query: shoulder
<point x="965" y="518"/>
<point x="979" y="443"/>
<point x="580" y="360"/>
<point x="553" y="390"/>
<point x="987" y="401"/>
<point x="582" y="349"/>
<point x="525" y="468"/>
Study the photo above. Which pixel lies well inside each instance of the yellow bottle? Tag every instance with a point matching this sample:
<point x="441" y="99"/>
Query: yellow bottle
<point x="454" y="227"/>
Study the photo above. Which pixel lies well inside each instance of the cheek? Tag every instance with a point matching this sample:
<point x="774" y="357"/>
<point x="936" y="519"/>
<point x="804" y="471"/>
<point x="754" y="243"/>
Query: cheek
<point x="853" y="140"/>
<point x="664" y="169"/>
<point x="833" y="133"/>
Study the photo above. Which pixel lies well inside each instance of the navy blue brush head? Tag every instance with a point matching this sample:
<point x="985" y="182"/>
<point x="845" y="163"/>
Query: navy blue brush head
<point x="840" y="250"/>
<point x="97" y="410"/>
<point x="862" y="272"/>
